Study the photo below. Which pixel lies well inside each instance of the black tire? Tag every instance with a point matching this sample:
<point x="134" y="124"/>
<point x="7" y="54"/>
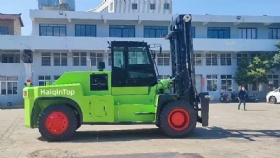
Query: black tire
<point x="78" y="122"/>
<point x="78" y="125"/>
<point x="272" y="100"/>
<point x="65" y="114"/>
<point x="182" y="109"/>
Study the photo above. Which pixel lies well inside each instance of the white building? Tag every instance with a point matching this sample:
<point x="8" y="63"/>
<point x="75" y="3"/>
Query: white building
<point x="63" y="40"/>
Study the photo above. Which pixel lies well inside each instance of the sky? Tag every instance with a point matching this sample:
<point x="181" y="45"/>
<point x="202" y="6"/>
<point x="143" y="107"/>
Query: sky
<point x="217" y="7"/>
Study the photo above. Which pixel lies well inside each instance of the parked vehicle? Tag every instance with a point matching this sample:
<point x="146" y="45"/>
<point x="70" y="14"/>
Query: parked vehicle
<point x="252" y="98"/>
<point x="224" y="97"/>
<point x="234" y="96"/>
<point x="273" y="97"/>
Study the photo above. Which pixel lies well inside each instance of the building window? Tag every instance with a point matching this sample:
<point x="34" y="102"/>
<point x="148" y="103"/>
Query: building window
<point x="193" y="32"/>
<point x="85" y="30"/>
<point x="46" y="59"/>
<point x="218" y="32"/>
<point x="52" y="30"/>
<point x="80" y="59"/>
<point x="60" y="59"/>
<point x="95" y="58"/>
<point x="56" y="77"/>
<point x="163" y="59"/>
<point x="226" y="82"/>
<point x="134" y="5"/>
<point x="211" y="59"/>
<point x="225" y="59"/>
<point x="212" y="82"/>
<point x="10" y="58"/>
<point x="122" y="31"/>
<point x="255" y="86"/>
<point x="166" y="6"/>
<point x="239" y="57"/>
<point x="43" y="79"/>
<point x="9" y="85"/>
<point x="247" y="33"/>
<point x="152" y="6"/>
<point x="273" y="82"/>
<point x="274" y="33"/>
<point x="4" y="30"/>
<point x="198" y="59"/>
<point x="155" y="31"/>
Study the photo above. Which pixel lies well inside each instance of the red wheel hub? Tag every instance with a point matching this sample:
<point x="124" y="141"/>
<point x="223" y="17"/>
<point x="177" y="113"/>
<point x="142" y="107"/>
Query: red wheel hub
<point x="57" y="123"/>
<point x="179" y="119"/>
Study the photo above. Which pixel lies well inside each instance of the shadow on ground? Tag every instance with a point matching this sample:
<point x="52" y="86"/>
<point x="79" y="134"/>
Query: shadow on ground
<point x="155" y="133"/>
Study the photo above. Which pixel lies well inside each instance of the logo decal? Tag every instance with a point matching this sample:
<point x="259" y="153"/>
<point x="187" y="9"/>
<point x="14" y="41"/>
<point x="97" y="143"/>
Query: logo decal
<point x="56" y="92"/>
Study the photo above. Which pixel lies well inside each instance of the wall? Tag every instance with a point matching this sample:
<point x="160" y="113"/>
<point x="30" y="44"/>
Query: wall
<point x="200" y="30"/>
<point x="262" y="30"/>
<point x="17" y="28"/>
<point x="37" y="69"/>
<point x="101" y="27"/>
<point x="142" y="6"/>
<point x="10" y="24"/>
<point x="10" y="70"/>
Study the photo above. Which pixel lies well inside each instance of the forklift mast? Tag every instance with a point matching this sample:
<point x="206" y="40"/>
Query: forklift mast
<point x="181" y="47"/>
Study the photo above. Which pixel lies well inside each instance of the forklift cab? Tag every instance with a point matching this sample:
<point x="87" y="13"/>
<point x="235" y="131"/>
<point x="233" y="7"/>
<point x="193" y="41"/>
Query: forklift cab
<point x="132" y="64"/>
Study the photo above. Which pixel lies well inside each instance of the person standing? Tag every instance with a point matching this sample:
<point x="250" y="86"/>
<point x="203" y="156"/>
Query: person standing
<point x="242" y="97"/>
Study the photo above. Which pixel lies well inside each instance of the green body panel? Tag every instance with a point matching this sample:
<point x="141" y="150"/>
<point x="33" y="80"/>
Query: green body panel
<point x="135" y="113"/>
<point x="115" y="105"/>
<point x="83" y="78"/>
<point x="130" y="90"/>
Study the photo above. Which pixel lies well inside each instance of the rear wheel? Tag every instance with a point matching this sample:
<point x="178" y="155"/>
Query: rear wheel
<point x="57" y="122"/>
<point x="178" y="119"/>
<point x="272" y="100"/>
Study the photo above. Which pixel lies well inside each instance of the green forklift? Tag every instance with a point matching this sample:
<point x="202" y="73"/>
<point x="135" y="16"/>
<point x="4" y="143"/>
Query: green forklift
<point x="130" y="93"/>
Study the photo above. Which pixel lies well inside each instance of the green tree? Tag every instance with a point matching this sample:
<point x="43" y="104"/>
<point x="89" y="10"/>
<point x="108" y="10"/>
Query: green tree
<point x="259" y="67"/>
<point x="276" y="58"/>
<point x="276" y="61"/>
<point x="241" y="75"/>
<point x="255" y="70"/>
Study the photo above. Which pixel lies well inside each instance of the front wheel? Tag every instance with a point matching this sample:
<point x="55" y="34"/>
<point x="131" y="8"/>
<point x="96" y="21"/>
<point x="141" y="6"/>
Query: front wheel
<point x="272" y="100"/>
<point x="57" y="122"/>
<point x="178" y="119"/>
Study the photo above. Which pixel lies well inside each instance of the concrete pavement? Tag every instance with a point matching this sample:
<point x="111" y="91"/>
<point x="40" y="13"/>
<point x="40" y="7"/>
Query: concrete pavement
<point x="231" y="133"/>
